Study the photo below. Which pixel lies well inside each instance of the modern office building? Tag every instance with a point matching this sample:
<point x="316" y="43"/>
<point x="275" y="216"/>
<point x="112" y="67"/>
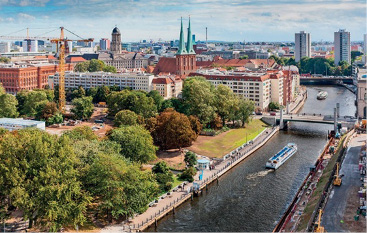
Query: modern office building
<point x="342" y="46"/>
<point x="104" y="44"/>
<point x="4" y="47"/>
<point x="302" y="45"/>
<point x="135" y="81"/>
<point x="19" y="123"/>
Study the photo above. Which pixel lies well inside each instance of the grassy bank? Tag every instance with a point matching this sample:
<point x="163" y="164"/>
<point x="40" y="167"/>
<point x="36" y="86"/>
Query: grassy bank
<point x="220" y="145"/>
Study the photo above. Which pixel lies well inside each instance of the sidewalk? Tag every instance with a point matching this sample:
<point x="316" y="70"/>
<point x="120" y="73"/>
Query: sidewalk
<point x="168" y="203"/>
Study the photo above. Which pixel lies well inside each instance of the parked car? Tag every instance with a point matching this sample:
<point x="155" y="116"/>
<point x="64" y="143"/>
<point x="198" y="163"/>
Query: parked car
<point x="259" y="113"/>
<point x="273" y="113"/>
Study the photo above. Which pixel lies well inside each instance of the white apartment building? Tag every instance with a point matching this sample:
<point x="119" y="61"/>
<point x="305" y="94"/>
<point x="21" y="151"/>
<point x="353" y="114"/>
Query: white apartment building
<point x="342" y="46"/>
<point x="277" y="88"/>
<point x="135" y="81"/>
<point x="302" y="45"/>
<point x="256" y="87"/>
<point x="168" y="87"/>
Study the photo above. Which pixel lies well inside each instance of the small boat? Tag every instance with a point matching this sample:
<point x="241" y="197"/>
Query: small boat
<point x="282" y="156"/>
<point x="322" y="95"/>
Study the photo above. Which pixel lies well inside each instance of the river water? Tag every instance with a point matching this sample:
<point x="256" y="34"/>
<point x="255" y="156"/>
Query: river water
<point x="251" y="198"/>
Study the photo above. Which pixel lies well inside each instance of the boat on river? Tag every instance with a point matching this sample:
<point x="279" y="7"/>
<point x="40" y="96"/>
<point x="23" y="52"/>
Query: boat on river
<point x="322" y="95"/>
<point x="282" y="156"/>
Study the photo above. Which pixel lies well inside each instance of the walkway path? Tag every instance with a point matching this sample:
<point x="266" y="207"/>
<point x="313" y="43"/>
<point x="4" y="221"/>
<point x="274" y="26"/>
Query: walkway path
<point x="168" y="203"/>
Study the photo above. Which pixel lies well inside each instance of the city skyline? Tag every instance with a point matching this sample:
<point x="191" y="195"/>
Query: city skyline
<point x="234" y="21"/>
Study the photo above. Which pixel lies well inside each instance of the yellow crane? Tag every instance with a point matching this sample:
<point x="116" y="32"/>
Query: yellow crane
<point x="337" y="180"/>
<point x="319" y="228"/>
<point x="61" y="43"/>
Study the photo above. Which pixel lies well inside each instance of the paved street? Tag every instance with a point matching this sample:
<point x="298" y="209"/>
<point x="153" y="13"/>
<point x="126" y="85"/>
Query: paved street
<point x="336" y="205"/>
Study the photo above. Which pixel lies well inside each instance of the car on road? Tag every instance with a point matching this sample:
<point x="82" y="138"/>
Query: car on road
<point x="259" y="113"/>
<point x="273" y="113"/>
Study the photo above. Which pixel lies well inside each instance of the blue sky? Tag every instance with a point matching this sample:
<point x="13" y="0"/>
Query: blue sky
<point x="234" y="20"/>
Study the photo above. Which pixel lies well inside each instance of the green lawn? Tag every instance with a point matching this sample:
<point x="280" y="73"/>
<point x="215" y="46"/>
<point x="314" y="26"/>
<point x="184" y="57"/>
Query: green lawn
<point x="220" y="145"/>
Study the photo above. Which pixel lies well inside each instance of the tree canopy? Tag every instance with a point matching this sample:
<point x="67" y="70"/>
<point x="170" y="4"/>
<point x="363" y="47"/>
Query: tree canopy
<point x="82" y="108"/>
<point x="172" y="130"/>
<point x="136" y="143"/>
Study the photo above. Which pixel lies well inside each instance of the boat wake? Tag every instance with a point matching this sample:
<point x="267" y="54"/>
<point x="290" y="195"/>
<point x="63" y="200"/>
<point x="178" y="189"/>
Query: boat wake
<point x="258" y="174"/>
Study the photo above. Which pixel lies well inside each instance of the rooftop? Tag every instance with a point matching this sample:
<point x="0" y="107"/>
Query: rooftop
<point x="19" y="121"/>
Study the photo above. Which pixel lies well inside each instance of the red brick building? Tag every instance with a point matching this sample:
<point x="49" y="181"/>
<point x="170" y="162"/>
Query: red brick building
<point x="15" y="78"/>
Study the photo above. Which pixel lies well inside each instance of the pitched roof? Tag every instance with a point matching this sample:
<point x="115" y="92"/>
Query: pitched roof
<point x="165" y="65"/>
<point x="77" y="59"/>
<point x="162" y="80"/>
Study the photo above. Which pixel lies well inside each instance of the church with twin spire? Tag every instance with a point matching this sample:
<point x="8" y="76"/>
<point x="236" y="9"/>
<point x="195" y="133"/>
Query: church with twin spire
<point x="185" y="61"/>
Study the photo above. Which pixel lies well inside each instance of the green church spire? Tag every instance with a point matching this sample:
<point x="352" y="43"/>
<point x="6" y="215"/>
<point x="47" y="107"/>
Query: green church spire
<point x="189" y="48"/>
<point x="181" y="48"/>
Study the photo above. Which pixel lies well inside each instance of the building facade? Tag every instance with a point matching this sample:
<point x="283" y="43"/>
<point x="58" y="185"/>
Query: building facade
<point x="342" y="48"/>
<point x="168" y="86"/>
<point x="15" y="78"/>
<point x="104" y="44"/>
<point x="362" y="96"/>
<point x="116" y="41"/>
<point x="19" y="123"/>
<point x="302" y="45"/>
<point x="364" y="58"/>
<point x="135" y="81"/>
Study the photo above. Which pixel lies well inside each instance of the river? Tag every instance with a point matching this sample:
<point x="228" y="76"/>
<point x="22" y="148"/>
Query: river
<point x="250" y="198"/>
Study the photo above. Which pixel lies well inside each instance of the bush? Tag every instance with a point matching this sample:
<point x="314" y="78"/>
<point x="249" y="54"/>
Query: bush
<point x="168" y="186"/>
<point x="188" y="174"/>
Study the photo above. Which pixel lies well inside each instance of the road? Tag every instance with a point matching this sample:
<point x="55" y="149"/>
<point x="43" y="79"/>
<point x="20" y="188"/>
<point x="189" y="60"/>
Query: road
<point x="336" y="206"/>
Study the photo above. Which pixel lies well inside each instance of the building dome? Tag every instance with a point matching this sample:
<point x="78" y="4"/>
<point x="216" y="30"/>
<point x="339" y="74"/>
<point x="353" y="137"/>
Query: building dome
<point x="116" y="31"/>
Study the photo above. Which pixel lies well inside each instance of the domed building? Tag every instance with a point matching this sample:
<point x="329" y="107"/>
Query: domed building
<point x="116" y="41"/>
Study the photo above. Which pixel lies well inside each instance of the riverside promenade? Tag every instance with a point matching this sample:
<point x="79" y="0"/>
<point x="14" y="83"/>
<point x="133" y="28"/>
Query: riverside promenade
<point x="168" y="203"/>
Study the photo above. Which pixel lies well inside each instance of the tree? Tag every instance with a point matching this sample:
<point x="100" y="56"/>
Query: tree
<point x="126" y="117"/>
<point x="4" y="60"/>
<point x="244" y="57"/>
<point x="188" y="174"/>
<point x="135" y="101"/>
<point x="79" y="93"/>
<point x="81" y="133"/>
<point x="82" y="67"/>
<point x="34" y="102"/>
<point x="163" y="175"/>
<point x="82" y="108"/>
<point x="49" y="110"/>
<point x="8" y="105"/>
<point x="198" y="96"/>
<point x="224" y="100"/>
<point x="195" y="124"/>
<point x="110" y="69"/>
<point x="102" y="93"/>
<point x="158" y="99"/>
<point x="246" y="108"/>
<point x="96" y="65"/>
<point x="136" y="143"/>
<point x="173" y="130"/>
<point x="274" y="106"/>
<point x="39" y="176"/>
<point x="93" y="93"/>
<point x="190" y="159"/>
<point x="55" y="119"/>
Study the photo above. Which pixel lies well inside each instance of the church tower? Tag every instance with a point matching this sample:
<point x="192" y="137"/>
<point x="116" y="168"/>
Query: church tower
<point x="116" y="41"/>
<point x="185" y="56"/>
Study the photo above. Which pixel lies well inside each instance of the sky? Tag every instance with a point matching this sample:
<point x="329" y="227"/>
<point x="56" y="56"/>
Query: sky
<point x="227" y="20"/>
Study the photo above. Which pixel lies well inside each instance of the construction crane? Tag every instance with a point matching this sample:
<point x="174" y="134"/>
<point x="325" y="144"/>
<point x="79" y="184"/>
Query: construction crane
<point x="62" y="47"/>
<point x="319" y="228"/>
<point x="337" y="179"/>
<point x="63" y="50"/>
